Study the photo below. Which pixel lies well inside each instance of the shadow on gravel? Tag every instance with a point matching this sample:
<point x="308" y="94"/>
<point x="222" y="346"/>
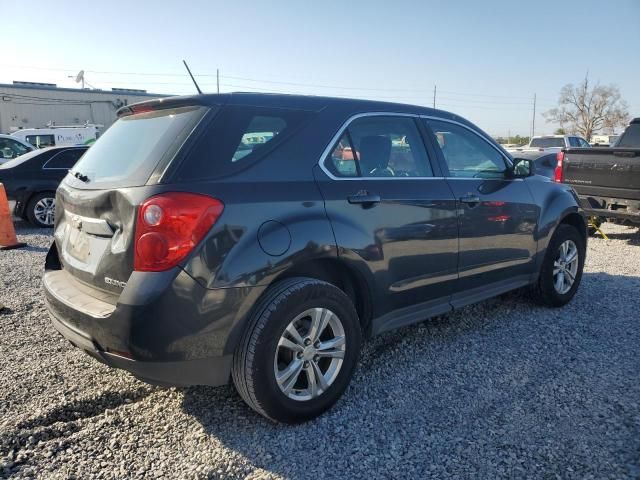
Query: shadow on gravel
<point x="31" y="248"/>
<point x="493" y="390"/>
<point x="632" y="237"/>
<point x="86" y="408"/>
<point x="61" y="422"/>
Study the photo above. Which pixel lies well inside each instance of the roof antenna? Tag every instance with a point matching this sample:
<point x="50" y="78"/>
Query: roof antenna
<point x="191" y="75"/>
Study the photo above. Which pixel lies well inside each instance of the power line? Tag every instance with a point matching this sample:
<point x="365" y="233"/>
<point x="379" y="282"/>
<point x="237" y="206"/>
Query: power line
<point x="267" y="81"/>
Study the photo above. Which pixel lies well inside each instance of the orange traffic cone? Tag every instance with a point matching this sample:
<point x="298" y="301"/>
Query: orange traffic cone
<point x="8" y="237"/>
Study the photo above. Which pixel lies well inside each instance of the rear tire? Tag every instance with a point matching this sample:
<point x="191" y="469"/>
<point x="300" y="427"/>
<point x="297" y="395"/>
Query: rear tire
<point x="268" y="350"/>
<point x="41" y="208"/>
<point x="559" y="280"/>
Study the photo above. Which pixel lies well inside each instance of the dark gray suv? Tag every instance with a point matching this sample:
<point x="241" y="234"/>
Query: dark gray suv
<point x="260" y="238"/>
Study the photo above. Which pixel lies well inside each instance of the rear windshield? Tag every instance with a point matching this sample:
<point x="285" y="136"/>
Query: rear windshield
<point x="239" y="136"/>
<point x="127" y="153"/>
<point x="631" y="137"/>
<point x="547" y="142"/>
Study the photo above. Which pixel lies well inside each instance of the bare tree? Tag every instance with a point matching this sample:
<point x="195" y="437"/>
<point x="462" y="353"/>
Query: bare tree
<point x="586" y="110"/>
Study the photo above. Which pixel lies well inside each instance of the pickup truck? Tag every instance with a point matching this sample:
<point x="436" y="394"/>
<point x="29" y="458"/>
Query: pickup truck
<point x="607" y="180"/>
<point x="551" y="143"/>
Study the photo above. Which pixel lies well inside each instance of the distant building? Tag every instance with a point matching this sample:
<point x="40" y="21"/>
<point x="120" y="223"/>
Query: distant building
<point x="36" y="105"/>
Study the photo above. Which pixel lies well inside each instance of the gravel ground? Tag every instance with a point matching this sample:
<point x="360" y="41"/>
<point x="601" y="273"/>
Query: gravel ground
<point x="501" y="389"/>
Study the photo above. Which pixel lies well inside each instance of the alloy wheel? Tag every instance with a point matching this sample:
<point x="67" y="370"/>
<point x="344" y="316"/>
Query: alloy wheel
<point x="565" y="267"/>
<point x="310" y="354"/>
<point x="44" y="211"/>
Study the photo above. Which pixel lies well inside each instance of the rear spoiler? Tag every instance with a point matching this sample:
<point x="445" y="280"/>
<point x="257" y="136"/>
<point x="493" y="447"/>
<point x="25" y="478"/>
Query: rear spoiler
<point x="170" y="102"/>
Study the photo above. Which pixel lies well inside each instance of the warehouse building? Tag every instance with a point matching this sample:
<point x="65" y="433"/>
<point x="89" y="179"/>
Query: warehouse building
<point x="37" y="105"/>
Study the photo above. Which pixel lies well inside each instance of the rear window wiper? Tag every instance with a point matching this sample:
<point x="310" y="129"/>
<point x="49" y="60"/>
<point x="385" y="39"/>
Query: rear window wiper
<point x="80" y="176"/>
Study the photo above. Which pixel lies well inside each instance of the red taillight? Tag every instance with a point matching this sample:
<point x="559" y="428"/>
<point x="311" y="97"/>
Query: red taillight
<point x="169" y="226"/>
<point x="558" y="175"/>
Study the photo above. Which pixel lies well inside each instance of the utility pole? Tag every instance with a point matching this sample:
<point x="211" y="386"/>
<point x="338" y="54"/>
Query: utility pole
<point x="434" y="96"/>
<point x="533" y="121"/>
<point x="218" y="79"/>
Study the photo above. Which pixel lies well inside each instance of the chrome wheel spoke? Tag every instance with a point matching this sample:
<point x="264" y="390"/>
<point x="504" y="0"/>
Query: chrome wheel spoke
<point x="331" y="348"/>
<point x="319" y="320"/>
<point x="319" y="376"/>
<point x="286" y="343"/>
<point x="288" y="377"/>
<point x="563" y="251"/>
<point x="571" y="276"/>
<point x="331" y="353"/>
<point x="293" y="331"/>
<point x="559" y="284"/>
<point x="311" y="380"/>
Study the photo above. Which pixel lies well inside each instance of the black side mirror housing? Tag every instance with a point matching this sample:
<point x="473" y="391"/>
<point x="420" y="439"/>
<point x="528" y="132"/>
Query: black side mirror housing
<point x="523" y="167"/>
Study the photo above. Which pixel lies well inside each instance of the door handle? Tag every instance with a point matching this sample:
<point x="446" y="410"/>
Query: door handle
<point x="470" y="199"/>
<point x="364" y="198"/>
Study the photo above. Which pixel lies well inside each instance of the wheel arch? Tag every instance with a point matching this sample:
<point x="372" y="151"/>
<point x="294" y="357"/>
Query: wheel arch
<point x="338" y="273"/>
<point x="329" y="269"/>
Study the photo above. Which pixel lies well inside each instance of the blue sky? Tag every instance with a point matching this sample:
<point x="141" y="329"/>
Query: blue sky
<point x="487" y="58"/>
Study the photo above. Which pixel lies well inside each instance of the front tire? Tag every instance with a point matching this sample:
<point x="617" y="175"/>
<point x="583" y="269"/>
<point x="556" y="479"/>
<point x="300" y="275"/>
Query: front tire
<point x="562" y="267"/>
<point x="299" y="351"/>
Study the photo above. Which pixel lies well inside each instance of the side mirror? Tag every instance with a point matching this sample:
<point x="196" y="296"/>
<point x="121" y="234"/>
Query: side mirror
<point x="523" y="167"/>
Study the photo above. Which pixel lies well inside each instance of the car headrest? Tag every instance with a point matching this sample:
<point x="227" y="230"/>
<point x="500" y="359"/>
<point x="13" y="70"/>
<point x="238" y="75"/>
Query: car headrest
<point x="375" y="151"/>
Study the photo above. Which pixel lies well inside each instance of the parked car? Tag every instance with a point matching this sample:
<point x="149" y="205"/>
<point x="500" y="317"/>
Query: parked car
<point x="607" y="180"/>
<point x="11" y="148"/>
<point x="184" y="259"/>
<point x="551" y="144"/>
<point x="31" y="180"/>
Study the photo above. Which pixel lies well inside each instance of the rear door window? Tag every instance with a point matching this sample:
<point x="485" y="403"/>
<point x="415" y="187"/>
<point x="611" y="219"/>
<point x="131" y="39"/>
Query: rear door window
<point x="238" y="137"/>
<point x="380" y="146"/>
<point x="128" y="153"/>
<point x="65" y="159"/>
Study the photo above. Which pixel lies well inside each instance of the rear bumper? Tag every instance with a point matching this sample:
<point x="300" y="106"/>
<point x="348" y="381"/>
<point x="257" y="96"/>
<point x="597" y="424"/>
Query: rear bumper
<point x="212" y="371"/>
<point x="165" y="329"/>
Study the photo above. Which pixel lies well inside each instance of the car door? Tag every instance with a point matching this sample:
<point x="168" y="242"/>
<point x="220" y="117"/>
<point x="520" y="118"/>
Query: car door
<point x="497" y="214"/>
<point x="393" y="215"/>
